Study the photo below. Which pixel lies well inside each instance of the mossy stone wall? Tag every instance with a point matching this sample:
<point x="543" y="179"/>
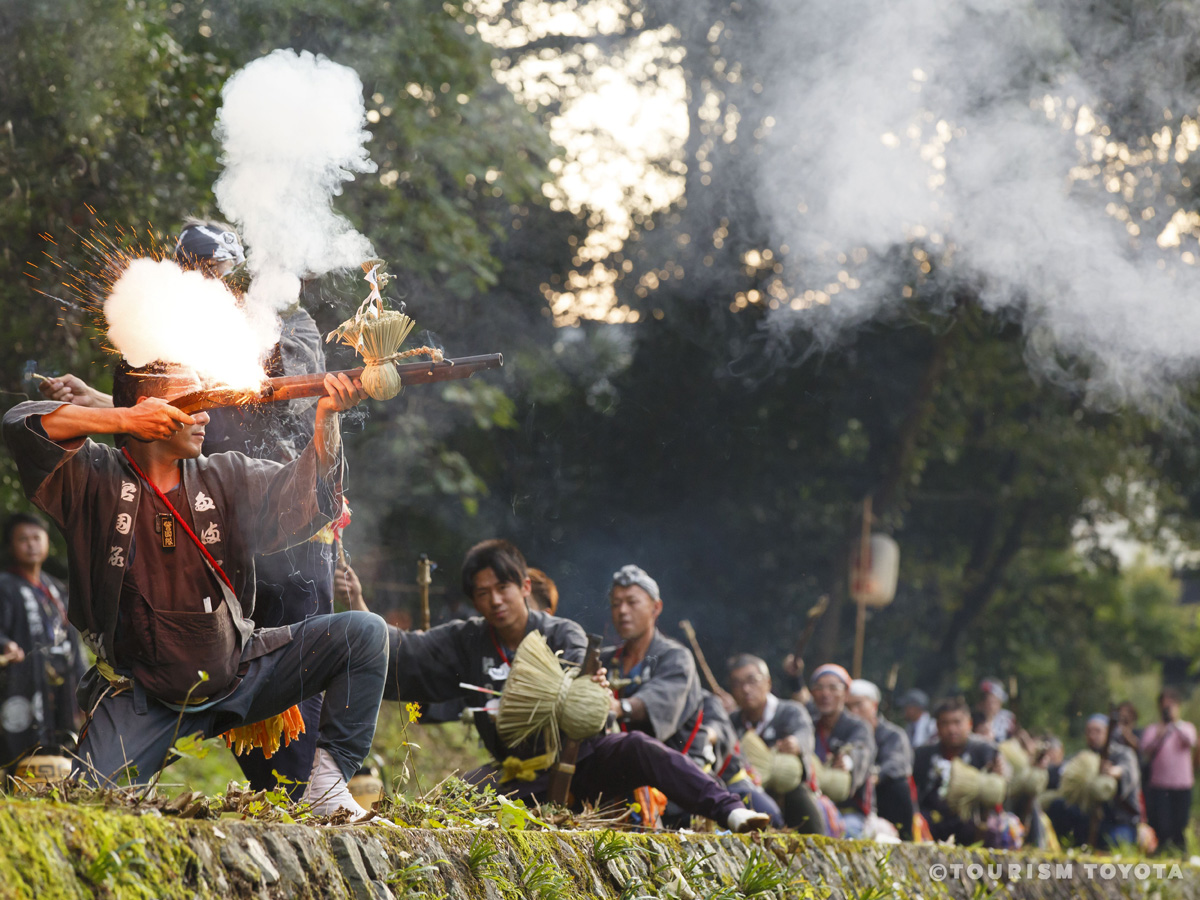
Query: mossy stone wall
<point x="50" y="850"/>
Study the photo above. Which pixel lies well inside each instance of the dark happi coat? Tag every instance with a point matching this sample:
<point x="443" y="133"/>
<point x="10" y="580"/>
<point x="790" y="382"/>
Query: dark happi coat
<point x="669" y="686"/>
<point x="852" y="734"/>
<point x="893" y="752"/>
<point x="239" y="506"/>
<point x="1124" y="808"/>
<point x="791" y="719"/>
<point x="37" y="696"/>
<point x="427" y="667"/>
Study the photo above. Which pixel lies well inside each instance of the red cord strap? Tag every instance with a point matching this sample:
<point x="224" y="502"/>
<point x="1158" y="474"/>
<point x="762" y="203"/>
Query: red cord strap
<point x="178" y="518"/>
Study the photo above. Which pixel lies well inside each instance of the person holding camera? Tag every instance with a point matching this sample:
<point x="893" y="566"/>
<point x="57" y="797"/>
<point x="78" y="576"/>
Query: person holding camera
<point x="1166" y="750"/>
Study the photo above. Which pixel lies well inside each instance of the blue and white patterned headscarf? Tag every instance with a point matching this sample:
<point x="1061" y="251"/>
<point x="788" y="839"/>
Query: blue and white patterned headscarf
<point x="203" y="242"/>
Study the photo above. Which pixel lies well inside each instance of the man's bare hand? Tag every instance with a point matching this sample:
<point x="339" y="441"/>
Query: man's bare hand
<point x="601" y="678"/>
<point x="788" y="744"/>
<point x="341" y="393"/>
<point x="154" y="419"/>
<point x="347" y="589"/>
<point x="74" y="390"/>
<point x="10" y="653"/>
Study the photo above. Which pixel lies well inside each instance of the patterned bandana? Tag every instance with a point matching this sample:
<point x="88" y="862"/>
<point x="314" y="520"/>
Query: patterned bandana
<point x="199" y="242"/>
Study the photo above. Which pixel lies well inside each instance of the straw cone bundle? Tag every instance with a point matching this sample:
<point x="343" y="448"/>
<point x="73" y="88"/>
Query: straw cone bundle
<point x="1026" y="781"/>
<point x="1014" y="754"/>
<point x="539" y="695"/>
<point x="376" y="334"/>
<point x="787" y="773"/>
<point x="757" y="754"/>
<point x="586" y="710"/>
<point x="971" y="789"/>
<point x="780" y="772"/>
<point x="834" y="783"/>
<point x="1082" y="784"/>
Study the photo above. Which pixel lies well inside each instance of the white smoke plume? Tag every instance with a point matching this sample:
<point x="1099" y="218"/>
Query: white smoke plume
<point x="969" y="127"/>
<point x="291" y="127"/>
<point x="157" y="311"/>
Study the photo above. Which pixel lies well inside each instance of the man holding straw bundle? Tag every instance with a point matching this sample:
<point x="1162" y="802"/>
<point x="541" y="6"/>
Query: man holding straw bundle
<point x="472" y="659"/>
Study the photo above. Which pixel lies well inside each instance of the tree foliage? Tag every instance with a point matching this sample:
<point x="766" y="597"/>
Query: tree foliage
<point x="727" y="457"/>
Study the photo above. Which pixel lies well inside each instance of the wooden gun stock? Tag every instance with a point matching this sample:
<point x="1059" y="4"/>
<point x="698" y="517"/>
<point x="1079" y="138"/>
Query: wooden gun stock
<point x="559" y="790"/>
<point x="295" y="387"/>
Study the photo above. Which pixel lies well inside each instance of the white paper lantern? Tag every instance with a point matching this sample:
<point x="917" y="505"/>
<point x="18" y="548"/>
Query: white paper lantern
<point x="874" y="584"/>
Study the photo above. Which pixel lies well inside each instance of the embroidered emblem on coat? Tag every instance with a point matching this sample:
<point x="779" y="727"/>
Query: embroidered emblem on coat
<point x="211" y="534"/>
<point x="116" y="557"/>
<point x="128" y="491"/>
<point x="124" y="523"/>
<point x="203" y="502"/>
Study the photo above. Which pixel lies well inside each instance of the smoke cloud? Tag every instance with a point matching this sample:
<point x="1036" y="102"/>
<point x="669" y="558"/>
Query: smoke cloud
<point x="292" y="130"/>
<point x="970" y="129"/>
<point x="156" y="310"/>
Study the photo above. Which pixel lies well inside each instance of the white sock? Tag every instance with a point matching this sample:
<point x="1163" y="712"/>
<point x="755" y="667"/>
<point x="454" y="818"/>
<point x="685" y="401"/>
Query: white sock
<point x="743" y="819"/>
<point x="327" y="791"/>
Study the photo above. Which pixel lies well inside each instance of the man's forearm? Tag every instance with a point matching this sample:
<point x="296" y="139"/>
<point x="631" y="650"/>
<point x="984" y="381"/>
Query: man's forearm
<point x="637" y="710"/>
<point x="70" y="422"/>
<point x="99" y="398"/>
<point x="327" y="437"/>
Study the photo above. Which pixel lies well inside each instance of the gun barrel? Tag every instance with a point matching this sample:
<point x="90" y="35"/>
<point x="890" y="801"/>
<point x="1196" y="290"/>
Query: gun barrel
<point x="295" y="387"/>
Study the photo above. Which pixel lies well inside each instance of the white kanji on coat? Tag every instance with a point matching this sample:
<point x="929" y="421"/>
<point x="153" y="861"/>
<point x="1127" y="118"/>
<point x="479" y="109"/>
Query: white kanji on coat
<point x="211" y="534"/>
<point x="128" y="491"/>
<point x="124" y="523"/>
<point x="116" y="557"/>
<point x="203" y="502"/>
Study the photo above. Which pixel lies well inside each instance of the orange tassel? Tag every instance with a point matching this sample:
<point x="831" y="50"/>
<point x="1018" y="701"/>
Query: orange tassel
<point x="267" y="735"/>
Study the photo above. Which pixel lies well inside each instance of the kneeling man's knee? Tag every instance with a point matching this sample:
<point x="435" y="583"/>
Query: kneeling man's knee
<point x="368" y="632"/>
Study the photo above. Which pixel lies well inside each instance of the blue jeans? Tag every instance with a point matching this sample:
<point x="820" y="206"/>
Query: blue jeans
<point x="345" y="655"/>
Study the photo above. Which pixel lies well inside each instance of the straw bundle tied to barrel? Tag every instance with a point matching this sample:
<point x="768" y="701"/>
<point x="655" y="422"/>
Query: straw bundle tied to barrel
<point x="971" y="789"/>
<point x="540" y="694"/>
<point x="376" y="334"/>
<point x="1082" y="784"/>
<point x="1014" y="754"/>
<point x="757" y="753"/>
<point x="1027" y="780"/>
<point x="780" y="772"/>
<point x="834" y="783"/>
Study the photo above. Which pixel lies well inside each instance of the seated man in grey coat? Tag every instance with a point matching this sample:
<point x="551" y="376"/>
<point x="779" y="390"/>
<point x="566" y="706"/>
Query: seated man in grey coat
<point x="660" y="691"/>
<point x="893" y="758"/>
<point x="1114" y="821"/>
<point x="785" y="727"/>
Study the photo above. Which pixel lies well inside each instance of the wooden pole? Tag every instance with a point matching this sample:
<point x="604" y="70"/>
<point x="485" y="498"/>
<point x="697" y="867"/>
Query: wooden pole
<point x="424" y="580"/>
<point x="863" y="567"/>
<point x="713" y="685"/>
<point x="860" y="633"/>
